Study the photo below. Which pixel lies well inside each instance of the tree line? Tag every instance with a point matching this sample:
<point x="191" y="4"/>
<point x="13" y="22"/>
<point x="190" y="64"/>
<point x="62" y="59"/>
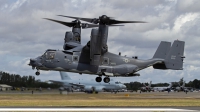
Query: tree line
<point x="16" y="80"/>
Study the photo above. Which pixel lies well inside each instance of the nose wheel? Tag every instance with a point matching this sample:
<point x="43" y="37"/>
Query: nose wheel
<point x="98" y="79"/>
<point x="37" y="73"/>
<point x="106" y="79"/>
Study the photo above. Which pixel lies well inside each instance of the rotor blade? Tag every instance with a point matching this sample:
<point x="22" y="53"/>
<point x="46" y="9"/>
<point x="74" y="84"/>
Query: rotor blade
<point x="116" y="25"/>
<point x="83" y="19"/>
<point x="85" y="25"/>
<point x="112" y="21"/>
<point x="69" y="24"/>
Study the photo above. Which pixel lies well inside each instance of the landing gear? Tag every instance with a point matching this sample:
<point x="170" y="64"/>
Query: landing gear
<point x="37" y="73"/>
<point x="98" y="79"/>
<point x="106" y="79"/>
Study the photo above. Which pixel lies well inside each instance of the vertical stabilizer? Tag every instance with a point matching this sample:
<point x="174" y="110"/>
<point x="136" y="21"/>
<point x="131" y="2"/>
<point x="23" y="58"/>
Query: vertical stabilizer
<point x="144" y="84"/>
<point x="170" y="85"/>
<point x="150" y="84"/>
<point x="162" y="50"/>
<point x="174" y="59"/>
<point x="64" y="76"/>
<point x="183" y="84"/>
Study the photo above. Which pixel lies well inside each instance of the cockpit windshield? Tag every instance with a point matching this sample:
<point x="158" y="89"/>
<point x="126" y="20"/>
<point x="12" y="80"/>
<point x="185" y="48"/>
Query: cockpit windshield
<point x="117" y="82"/>
<point x="49" y="54"/>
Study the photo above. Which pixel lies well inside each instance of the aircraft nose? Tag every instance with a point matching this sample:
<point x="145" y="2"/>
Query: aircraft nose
<point x="34" y="62"/>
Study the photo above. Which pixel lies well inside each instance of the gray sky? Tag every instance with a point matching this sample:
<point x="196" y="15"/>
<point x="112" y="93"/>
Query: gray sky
<point x="24" y="34"/>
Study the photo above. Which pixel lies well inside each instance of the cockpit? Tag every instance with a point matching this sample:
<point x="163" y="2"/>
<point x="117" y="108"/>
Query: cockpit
<point x="50" y="54"/>
<point x="118" y="82"/>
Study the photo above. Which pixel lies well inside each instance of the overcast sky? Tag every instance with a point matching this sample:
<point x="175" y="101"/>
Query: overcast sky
<point x="24" y="34"/>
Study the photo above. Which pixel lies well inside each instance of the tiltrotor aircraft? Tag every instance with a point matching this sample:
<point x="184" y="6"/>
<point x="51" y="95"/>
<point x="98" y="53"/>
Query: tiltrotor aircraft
<point x="94" y="58"/>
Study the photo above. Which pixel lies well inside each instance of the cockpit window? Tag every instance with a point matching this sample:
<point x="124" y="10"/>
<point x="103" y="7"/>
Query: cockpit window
<point x="50" y="55"/>
<point x="117" y="82"/>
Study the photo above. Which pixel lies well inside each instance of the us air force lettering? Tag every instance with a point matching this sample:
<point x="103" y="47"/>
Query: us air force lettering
<point x="94" y="58"/>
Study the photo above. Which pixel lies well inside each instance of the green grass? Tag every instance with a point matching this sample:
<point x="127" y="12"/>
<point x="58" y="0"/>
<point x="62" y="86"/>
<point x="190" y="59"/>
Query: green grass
<point x="102" y="99"/>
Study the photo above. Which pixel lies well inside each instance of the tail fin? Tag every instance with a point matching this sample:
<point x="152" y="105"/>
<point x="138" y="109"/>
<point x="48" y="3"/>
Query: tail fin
<point x="64" y="76"/>
<point x="174" y="59"/>
<point x="162" y="50"/>
<point x="144" y="84"/>
<point x="150" y="84"/>
<point x="173" y="56"/>
<point x="170" y="85"/>
<point x="183" y="84"/>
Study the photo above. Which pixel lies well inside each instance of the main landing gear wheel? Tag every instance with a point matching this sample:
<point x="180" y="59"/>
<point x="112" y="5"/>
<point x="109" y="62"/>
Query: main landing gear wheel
<point x="106" y="79"/>
<point x="98" y="79"/>
<point x="37" y="73"/>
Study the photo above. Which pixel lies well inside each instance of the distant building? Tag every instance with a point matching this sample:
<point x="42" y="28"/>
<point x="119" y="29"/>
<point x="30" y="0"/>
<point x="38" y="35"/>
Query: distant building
<point x="4" y="87"/>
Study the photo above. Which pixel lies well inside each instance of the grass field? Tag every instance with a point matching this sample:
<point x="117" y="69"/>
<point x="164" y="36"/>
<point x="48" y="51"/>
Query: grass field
<point x="102" y="99"/>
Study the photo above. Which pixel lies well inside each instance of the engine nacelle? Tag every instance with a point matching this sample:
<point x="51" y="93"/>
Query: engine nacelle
<point x="71" y="37"/>
<point x="98" y="46"/>
<point x="98" y="89"/>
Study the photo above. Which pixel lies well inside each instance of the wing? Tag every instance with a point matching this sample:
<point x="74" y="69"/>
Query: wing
<point x="57" y="82"/>
<point x="78" y="85"/>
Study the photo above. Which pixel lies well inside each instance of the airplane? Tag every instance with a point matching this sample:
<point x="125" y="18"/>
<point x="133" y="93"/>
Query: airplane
<point x="180" y="88"/>
<point x="161" y="89"/>
<point x="94" y="58"/>
<point x="146" y="88"/>
<point x="89" y="86"/>
<point x="183" y="88"/>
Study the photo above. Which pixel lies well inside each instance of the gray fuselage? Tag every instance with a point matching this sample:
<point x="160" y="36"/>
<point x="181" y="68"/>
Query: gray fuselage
<point x="79" y="62"/>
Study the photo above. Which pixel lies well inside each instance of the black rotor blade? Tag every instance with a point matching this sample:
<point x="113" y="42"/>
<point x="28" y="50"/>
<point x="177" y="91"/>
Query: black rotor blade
<point x="69" y="24"/>
<point x="116" y="25"/>
<point x="112" y="21"/>
<point x="83" y="19"/>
